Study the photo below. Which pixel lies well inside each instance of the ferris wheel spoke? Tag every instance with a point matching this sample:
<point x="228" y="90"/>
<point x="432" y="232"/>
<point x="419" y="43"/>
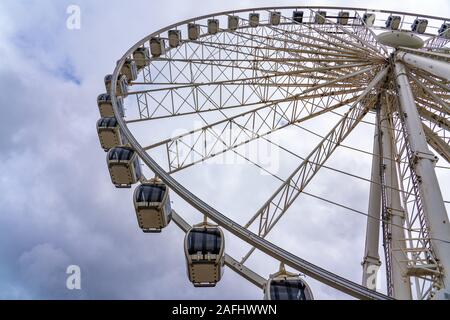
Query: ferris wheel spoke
<point x="437" y="143"/>
<point x="241" y="70"/>
<point x="438" y="120"/>
<point x="201" y="144"/>
<point x="284" y="37"/>
<point x="436" y="98"/>
<point x="259" y="59"/>
<point x="182" y="100"/>
<point x="432" y="82"/>
<point x="361" y="33"/>
<point x="246" y="49"/>
<point x="304" y="30"/>
<point x="428" y="104"/>
<point x="325" y="90"/>
<point x="285" y="47"/>
<point x="286" y="194"/>
<point x="326" y="32"/>
<point x="436" y="43"/>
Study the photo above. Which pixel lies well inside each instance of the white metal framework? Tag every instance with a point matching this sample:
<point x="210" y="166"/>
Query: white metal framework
<point x="262" y="70"/>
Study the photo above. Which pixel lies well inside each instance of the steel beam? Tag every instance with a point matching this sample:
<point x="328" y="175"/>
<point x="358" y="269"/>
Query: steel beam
<point x="437" y="143"/>
<point x="371" y="262"/>
<point x="276" y="206"/>
<point x="394" y="214"/>
<point x="433" y="203"/>
<point x="439" y="68"/>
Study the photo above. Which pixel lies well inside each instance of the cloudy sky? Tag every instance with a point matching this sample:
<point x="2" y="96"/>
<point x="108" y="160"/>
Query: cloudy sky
<point x="57" y="205"/>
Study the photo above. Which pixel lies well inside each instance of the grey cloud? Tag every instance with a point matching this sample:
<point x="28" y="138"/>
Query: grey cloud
<point x="57" y="205"/>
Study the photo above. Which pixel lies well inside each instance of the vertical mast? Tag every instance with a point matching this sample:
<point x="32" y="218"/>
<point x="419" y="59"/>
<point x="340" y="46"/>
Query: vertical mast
<point x="430" y="193"/>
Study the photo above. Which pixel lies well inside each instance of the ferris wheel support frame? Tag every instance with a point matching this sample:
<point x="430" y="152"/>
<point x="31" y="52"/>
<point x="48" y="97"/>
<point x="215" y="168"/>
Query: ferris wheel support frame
<point x="399" y="285"/>
<point x="430" y="192"/>
<point x="371" y="261"/>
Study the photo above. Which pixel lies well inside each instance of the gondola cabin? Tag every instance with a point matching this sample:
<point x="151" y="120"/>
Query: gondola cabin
<point x="393" y="22"/>
<point x="204" y="246"/>
<point x="129" y="69"/>
<point x="152" y="205"/>
<point x="444" y="30"/>
<point x="419" y="26"/>
<point x="297" y="16"/>
<point x="105" y="106"/>
<point x="287" y="286"/>
<point x="213" y="26"/>
<point x="369" y="19"/>
<point x="193" y="31"/>
<point x="253" y="19"/>
<point x="157" y="46"/>
<point x="174" y="38"/>
<point x="343" y="17"/>
<point x="320" y="17"/>
<point x="233" y="23"/>
<point x="109" y="133"/>
<point x="121" y="84"/>
<point x="275" y="18"/>
<point x="142" y="57"/>
<point x="124" y="166"/>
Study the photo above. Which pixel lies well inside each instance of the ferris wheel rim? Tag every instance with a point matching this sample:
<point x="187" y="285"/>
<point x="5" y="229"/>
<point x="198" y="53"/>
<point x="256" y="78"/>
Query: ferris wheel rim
<point x="345" y="285"/>
<point x="246" y="235"/>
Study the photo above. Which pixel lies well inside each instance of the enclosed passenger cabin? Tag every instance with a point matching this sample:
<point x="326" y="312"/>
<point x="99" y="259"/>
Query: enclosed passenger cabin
<point x="174" y="38"/>
<point x="444" y="30"/>
<point x="320" y="17"/>
<point x="297" y="16"/>
<point x="213" y="26"/>
<point x="275" y="18"/>
<point x="152" y="205"/>
<point x="343" y="17"/>
<point x="233" y="23"/>
<point x="204" y="247"/>
<point x="124" y="166"/>
<point x="284" y="285"/>
<point x="193" y="31"/>
<point x="109" y="133"/>
<point x="419" y="26"/>
<point x="393" y="22"/>
<point x="105" y="106"/>
<point x="129" y="69"/>
<point x="157" y="46"/>
<point x="253" y="19"/>
<point x="141" y="57"/>
<point x="121" y="84"/>
<point x="369" y="19"/>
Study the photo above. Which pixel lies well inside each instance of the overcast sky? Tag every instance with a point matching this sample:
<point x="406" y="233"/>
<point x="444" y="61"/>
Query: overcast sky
<point x="57" y="204"/>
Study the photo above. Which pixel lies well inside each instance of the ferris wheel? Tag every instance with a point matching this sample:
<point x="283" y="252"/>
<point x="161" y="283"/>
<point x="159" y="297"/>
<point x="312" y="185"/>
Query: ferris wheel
<point x="243" y="75"/>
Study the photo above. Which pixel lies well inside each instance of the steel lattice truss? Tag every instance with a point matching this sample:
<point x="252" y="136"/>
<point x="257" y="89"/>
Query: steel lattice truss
<point x="264" y="79"/>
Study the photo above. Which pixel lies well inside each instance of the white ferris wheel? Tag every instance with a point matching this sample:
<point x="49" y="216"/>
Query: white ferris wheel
<point x="242" y="76"/>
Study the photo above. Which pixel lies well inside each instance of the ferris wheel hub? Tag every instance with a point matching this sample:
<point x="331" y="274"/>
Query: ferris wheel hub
<point x="396" y="39"/>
